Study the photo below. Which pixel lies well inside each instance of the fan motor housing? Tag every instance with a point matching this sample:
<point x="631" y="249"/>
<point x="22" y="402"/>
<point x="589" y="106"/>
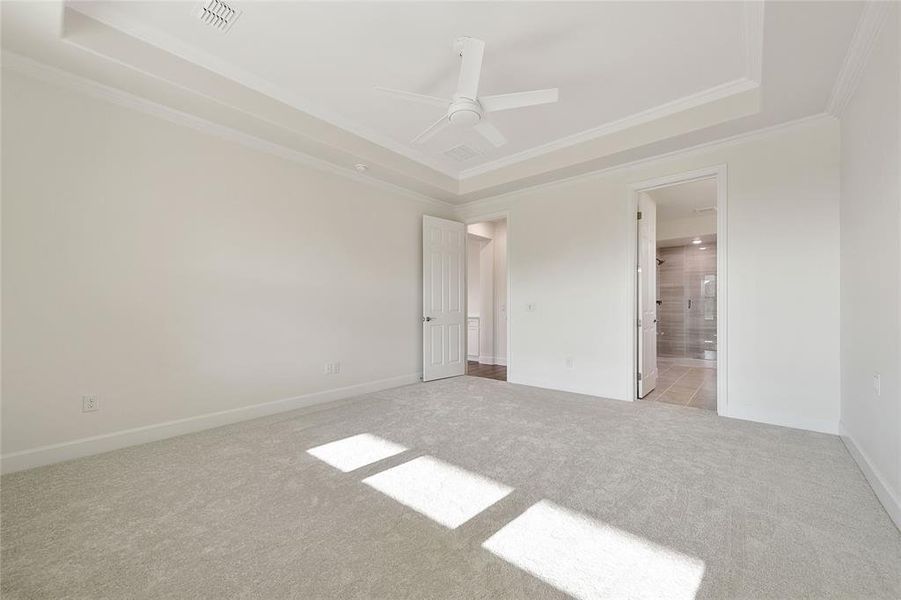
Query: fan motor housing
<point x="464" y="112"/>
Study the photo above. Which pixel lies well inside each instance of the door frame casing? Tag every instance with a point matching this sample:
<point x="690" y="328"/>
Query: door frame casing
<point x="491" y="216"/>
<point x="719" y="173"/>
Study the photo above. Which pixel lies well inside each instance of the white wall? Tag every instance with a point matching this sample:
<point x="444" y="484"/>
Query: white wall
<point x="569" y="255"/>
<point x="871" y="267"/>
<point x="171" y="293"/>
<point x="175" y="274"/>
<point x="486" y="300"/>
<point x="473" y="291"/>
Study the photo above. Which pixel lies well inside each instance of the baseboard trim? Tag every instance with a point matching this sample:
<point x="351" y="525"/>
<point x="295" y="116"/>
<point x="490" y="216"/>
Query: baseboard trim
<point x="556" y="387"/>
<point x="492" y="360"/>
<point x="45" y="455"/>
<point x="889" y="500"/>
<point x="783" y="420"/>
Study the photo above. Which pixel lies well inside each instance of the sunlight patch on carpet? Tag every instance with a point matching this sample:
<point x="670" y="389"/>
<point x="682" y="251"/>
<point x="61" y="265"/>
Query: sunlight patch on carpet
<point x="355" y="451"/>
<point x="590" y="560"/>
<point x="441" y="491"/>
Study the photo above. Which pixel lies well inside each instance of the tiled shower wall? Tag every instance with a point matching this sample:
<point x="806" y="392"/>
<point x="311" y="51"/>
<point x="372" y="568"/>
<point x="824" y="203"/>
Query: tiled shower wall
<point x="686" y="302"/>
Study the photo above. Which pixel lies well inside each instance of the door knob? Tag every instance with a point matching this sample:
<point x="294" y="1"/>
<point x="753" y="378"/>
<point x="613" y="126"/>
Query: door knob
<point x="427" y="318"/>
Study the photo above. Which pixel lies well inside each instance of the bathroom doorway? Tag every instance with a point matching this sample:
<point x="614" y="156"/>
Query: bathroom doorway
<point x="678" y="293"/>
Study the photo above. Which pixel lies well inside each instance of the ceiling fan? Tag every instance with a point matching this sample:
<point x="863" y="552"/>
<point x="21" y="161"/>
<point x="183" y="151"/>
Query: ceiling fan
<point x="467" y="107"/>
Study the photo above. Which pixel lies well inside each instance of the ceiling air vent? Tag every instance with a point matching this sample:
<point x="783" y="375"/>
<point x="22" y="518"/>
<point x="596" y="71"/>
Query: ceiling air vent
<point x="218" y="14"/>
<point x="705" y="211"/>
<point x="461" y="153"/>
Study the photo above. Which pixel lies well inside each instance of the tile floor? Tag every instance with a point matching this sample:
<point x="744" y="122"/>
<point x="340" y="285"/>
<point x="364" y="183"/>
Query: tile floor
<point x="687" y="383"/>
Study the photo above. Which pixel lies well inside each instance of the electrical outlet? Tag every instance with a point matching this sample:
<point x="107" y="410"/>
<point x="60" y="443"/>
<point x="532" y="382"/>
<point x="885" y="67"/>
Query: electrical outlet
<point x="331" y="368"/>
<point x="531" y="307"/>
<point x="90" y="403"/>
<point x="877" y="384"/>
<point x="569" y="362"/>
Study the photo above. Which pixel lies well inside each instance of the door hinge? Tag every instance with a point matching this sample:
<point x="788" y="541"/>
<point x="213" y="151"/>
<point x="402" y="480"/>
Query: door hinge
<point x="639" y="322"/>
<point x="639" y="377"/>
<point x="639" y="215"/>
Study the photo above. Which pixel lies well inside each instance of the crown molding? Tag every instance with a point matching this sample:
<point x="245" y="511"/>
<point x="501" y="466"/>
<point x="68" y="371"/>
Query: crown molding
<point x="869" y="25"/>
<point x="49" y="74"/>
<point x="496" y="202"/>
<point x="752" y="32"/>
<point x="172" y="45"/>
<point x="658" y="112"/>
<point x="752" y="38"/>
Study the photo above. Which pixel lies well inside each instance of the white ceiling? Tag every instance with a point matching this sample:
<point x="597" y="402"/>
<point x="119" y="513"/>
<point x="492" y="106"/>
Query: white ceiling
<point x="609" y="60"/>
<point x="682" y="200"/>
<point x="635" y="79"/>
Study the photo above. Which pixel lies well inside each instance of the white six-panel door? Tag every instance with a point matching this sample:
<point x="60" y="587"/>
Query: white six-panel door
<point x="443" y="292"/>
<point x="647" y="295"/>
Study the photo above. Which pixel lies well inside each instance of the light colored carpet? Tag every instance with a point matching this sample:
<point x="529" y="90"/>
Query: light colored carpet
<point x="521" y="493"/>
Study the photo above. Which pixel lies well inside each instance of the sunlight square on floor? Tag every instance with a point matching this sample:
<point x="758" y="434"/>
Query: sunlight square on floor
<point x="443" y="492"/>
<point x="356" y="451"/>
<point x="590" y="560"/>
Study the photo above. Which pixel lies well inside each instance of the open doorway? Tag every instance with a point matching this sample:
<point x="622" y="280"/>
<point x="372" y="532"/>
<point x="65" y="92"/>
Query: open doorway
<point x="486" y="299"/>
<point x="677" y="293"/>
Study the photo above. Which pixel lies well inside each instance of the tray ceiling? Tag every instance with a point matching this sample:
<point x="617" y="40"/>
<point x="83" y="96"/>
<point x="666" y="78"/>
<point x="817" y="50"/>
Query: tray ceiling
<point x="635" y="79"/>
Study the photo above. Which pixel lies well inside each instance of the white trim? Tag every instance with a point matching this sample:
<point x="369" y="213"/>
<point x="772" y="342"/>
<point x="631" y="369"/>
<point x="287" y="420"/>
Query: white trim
<point x="556" y="386"/>
<point x="48" y="74"/>
<point x="877" y="481"/>
<point x="720" y="173"/>
<point x="486" y="204"/>
<point x="491" y="360"/>
<point x="771" y="417"/>
<point x="873" y="16"/>
<point x="45" y="455"/>
<point x="646" y="116"/>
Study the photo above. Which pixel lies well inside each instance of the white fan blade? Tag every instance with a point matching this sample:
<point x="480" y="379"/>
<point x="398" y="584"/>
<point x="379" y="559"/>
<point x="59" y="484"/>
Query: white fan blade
<point x="490" y="133"/>
<point x="518" y="100"/>
<point x="432" y="130"/>
<point x="414" y="97"/>
<point x="470" y="68"/>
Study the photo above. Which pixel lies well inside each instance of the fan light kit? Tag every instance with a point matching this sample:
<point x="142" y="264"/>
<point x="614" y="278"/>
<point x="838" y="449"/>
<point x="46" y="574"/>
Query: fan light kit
<point x="467" y="108"/>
